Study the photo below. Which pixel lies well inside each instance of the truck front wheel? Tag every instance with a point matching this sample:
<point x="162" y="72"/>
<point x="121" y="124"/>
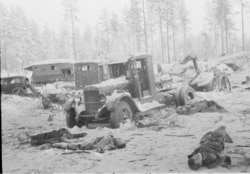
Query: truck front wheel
<point x="18" y="91"/>
<point x="70" y="118"/>
<point x="121" y="114"/>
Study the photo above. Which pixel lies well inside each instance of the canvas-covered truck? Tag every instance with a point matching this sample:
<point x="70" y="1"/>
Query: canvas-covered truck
<point x="116" y="100"/>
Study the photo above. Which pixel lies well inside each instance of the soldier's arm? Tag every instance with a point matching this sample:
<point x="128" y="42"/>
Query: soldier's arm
<point x="207" y="136"/>
<point x="194" y="152"/>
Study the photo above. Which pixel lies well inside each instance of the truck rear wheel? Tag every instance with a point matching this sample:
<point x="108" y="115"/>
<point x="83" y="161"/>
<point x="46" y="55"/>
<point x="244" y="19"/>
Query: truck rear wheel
<point x="121" y="114"/>
<point x="186" y="95"/>
<point x="177" y="96"/>
<point x="70" y="118"/>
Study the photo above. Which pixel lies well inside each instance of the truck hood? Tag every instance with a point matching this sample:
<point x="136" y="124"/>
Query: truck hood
<point x="109" y="86"/>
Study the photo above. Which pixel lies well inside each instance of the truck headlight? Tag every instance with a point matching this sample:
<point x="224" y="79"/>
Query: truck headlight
<point x="102" y="98"/>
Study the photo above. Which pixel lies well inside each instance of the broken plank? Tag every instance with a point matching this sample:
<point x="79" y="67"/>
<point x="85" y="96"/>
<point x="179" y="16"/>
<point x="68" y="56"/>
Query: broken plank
<point x="243" y="131"/>
<point x="243" y="145"/>
<point x="178" y="135"/>
<point x="72" y="152"/>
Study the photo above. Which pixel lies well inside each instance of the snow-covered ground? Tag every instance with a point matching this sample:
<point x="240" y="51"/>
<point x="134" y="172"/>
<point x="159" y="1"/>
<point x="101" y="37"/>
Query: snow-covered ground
<point x="162" y="146"/>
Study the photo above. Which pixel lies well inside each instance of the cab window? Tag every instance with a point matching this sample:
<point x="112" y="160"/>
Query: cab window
<point x="15" y="80"/>
<point x="86" y="68"/>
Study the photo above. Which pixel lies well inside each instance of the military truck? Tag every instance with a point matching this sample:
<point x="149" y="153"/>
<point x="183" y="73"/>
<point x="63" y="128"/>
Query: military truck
<point x="16" y="85"/>
<point x="116" y="100"/>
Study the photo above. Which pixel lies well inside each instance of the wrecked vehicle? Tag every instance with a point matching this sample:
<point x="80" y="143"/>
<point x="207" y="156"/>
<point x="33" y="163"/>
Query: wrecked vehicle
<point x="207" y="81"/>
<point x="16" y="85"/>
<point x="117" y="100"/>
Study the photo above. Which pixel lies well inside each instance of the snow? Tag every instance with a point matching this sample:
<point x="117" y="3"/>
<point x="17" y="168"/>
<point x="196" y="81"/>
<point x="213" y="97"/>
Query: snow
<point x="57" y="88"/>
<point x="155" y="148"/>
<point x="5" y="73"/>
<point x="150" y="148"/>
<point x="113" y="82"/>
<point x="51" y="61"/>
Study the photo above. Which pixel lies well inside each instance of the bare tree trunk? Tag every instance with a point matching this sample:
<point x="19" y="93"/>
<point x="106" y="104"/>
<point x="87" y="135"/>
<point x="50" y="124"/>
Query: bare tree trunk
<point x="167" y="33"/>
<point x="152" y="40"/>
<point x="162" y="48"/>
<point x="117" y="36"/>
<point x="185" y="40"/>
<point x="145" y="29"/>
<point x="73" y="34"/>
<point x="242" y="20"/>
<point x="222" y="42"/>
<point x="174" y="43"/>
<point x="133" y="43"/>
<point x="1" y="58"/>
<point x="226" y="33"/>
<point x="108" y="45"/>
<point x="129" y="43"/>
<point x="215" y="40"/>
<point x="138" y="39"/>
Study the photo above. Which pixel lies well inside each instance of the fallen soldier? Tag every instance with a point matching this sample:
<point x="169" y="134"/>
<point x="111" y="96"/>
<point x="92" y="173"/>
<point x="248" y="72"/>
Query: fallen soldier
<point x="201" y="106"/>
<point x="101" y="144"/>
<point x="210" y="152"/>
<point x="54" y="136"/>
<point x="63" y="139"/>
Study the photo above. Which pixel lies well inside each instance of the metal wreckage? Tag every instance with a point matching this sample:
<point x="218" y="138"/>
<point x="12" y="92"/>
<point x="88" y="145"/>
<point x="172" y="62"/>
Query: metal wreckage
<point x="134" y="91"/>
<point x="117" y="100"/>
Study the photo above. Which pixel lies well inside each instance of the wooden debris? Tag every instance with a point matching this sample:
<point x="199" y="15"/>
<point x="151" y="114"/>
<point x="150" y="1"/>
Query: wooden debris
<point x="248" y="145"/>
<point x="243" y="131"/>
<point x="179" y="135"/>
<point x="76" y="151"/>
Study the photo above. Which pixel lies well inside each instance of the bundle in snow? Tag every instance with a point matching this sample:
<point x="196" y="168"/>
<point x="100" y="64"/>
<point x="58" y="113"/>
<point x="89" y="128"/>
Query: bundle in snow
<point x="209" y="153"/>
<point x="46" y="102"/>
<point x="201" y="106"/>
<point x="247" y="80"/>
<point x="54" y="136"/>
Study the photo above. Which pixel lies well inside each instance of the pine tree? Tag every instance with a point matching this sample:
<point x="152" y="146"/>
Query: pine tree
<point x="70" y="11"/>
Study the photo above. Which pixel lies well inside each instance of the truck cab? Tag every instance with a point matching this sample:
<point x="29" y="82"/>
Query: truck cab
<point x="117" y="100"/>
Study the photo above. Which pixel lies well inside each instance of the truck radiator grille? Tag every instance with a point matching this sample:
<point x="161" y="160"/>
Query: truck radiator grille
<point x="92" y="102"/>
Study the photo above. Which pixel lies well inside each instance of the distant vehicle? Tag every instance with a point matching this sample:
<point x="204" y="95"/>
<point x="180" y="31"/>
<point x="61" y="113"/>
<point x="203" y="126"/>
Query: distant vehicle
<point x="14" y="85"/>
<point x="116" y="100"/>
<point x="50" y="71"/>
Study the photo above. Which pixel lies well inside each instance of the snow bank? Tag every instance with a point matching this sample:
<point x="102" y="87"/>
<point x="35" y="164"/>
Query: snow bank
<point x="14" y="100"/>
<point x="56" y="88"/>
<point x="53" y="61"/>
<point x="148" y="106"/>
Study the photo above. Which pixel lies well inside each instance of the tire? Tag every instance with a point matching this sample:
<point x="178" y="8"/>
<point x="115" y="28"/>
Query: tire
<point x="70" y="118"/>
<point x="186" y="95"/>
<point x="18" y="91"/>
<point x="177" y="96"/>
<point x="117" y="116"/>
<point x="225" y="83"/>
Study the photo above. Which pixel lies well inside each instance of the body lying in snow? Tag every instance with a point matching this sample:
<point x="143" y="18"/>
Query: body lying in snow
<point x="210" y="152"/>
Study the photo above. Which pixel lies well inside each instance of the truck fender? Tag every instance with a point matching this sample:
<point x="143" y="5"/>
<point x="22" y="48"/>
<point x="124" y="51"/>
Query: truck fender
<point x="71" y="103"/>
<point x="68" y="104"/>
<point x="112" y="104"/>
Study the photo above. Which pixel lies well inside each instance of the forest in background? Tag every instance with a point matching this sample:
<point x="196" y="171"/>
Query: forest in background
<point x="158" y="27"/>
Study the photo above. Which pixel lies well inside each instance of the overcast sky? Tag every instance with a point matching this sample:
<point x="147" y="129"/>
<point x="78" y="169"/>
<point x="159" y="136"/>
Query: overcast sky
<point x="50" y="12"/>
